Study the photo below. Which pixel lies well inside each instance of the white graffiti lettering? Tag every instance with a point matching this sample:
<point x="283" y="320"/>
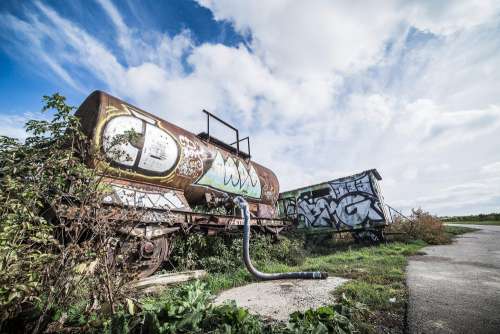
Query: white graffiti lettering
<point x="350" y="202"/>
<point x="134" y="197"/>
<point x="232" y="176"/>
<point x="155" y="152"/>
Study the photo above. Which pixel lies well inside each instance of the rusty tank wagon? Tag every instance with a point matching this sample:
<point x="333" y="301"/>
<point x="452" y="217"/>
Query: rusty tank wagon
<point x="168" y="173"/>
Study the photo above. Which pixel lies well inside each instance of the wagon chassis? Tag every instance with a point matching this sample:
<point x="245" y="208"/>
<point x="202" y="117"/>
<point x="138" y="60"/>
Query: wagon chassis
<point x="145" y="234"/>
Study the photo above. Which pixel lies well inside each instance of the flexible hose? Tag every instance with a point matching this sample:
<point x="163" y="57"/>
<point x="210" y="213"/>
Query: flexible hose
<point x="245" y="213"/>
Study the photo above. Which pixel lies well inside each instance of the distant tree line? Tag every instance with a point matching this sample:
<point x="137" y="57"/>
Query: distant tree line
<point x="476" y="218"/>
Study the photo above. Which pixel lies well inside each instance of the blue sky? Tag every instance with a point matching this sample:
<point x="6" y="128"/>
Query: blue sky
<point x="23" y="83"/>
<point x="324" y="88"/>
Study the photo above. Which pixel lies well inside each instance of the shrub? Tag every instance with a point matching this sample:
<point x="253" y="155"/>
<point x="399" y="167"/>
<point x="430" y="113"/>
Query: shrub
<point x="46" y="262"/>
<point x="421" y="225"/>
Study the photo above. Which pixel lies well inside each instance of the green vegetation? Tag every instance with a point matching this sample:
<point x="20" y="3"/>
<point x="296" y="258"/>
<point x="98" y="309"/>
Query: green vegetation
<point x="377" y="273"/>
<point x="475" y="222"/>
<point x="375" y="296"/>
<point x="472" y="218"/>
<point x="457" y="230"/>
<point x="188" y="309"/>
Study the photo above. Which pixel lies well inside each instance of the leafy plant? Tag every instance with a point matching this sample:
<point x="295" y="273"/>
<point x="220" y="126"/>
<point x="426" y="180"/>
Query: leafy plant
<point x="48" y="261"/>
<point x="338" y="318"/>
<point x="229" y="318"/>
<point x="184" y="312"/>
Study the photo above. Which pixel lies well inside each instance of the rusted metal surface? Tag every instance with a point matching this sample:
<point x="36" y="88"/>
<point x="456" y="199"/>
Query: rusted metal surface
<point x="172" y="219"/>
<point x="166" y="155"/>
<point x="143" y="195"/>
<point x="144" y="221"/>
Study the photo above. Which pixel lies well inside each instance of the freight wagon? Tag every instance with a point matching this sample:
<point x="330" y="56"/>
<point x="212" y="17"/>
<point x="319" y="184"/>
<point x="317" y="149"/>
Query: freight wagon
<point x="354" y="204"/>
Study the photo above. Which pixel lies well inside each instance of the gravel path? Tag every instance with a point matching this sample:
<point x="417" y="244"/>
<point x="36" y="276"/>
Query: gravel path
<point x="456" y="288"/>
<point x="277" y="299"/>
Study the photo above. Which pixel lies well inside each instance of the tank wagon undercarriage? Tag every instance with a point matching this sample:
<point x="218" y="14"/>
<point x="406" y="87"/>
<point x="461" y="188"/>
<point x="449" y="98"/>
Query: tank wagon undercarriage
<point x="167" y="180"/>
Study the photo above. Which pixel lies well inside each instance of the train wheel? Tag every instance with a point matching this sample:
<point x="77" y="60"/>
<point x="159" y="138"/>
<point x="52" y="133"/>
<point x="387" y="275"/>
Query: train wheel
<point x="140" y="257"/>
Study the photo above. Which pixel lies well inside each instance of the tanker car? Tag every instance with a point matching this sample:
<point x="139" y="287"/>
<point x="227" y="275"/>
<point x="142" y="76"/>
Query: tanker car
<point x="168" y="174"/>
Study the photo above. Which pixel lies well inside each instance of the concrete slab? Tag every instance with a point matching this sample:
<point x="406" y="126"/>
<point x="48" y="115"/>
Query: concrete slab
<point x="277" y="299"/>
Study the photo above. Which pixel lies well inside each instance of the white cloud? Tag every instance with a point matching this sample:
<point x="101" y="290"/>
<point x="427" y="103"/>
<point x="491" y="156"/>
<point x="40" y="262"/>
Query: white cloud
<point x="451" y="17"/>
<point x="325" y="88"/>
<point x="491" y="168"/>
<point x="12" y="125"/>
<point x="312" y="38"/>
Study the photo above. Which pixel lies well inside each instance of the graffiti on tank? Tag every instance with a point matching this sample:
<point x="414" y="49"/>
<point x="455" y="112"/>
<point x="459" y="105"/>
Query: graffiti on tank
<point x="231" y="176"/>
<point x="269" y="193"/>
<point x="191" y="164"/>
<point x="350" y="201"/>
<point x="153" y="152"/>
<point x="140" y="198"/>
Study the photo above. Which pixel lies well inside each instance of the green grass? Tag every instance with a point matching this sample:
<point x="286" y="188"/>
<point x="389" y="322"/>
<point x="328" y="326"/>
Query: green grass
<point x="484" y="222"/>
<point x="457" y="230"/>
<point x="377" y="272"/>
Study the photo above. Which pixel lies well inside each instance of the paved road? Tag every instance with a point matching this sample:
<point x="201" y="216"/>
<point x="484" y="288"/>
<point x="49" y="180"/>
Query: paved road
<point x="456" y="288"/>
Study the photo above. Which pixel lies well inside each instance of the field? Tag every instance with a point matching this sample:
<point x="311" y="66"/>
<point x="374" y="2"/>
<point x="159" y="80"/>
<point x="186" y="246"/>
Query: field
<point x="470" y="222"/>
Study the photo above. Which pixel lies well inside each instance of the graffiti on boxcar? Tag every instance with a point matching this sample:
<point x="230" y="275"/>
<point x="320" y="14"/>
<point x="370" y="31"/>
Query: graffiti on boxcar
<point x="350" y="201"/>
<point x="231" y="176"/>
<point x="153" y="152"/>
<point x="191" y="164"/>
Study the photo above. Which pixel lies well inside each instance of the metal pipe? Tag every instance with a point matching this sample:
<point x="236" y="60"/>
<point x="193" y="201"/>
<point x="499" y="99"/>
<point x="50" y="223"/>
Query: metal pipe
<point x="245" y="213"/>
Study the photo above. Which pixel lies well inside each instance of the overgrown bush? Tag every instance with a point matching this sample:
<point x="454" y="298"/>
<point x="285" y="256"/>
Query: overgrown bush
<point x="46" y="262"/>
<point x="421" y="225"/>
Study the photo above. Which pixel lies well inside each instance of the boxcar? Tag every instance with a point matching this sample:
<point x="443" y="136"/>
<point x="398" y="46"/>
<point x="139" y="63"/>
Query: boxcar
<point x="353" y="203"/>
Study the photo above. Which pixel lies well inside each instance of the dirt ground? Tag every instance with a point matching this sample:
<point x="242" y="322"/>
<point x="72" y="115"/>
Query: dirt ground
<point x="277" y="299"/>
